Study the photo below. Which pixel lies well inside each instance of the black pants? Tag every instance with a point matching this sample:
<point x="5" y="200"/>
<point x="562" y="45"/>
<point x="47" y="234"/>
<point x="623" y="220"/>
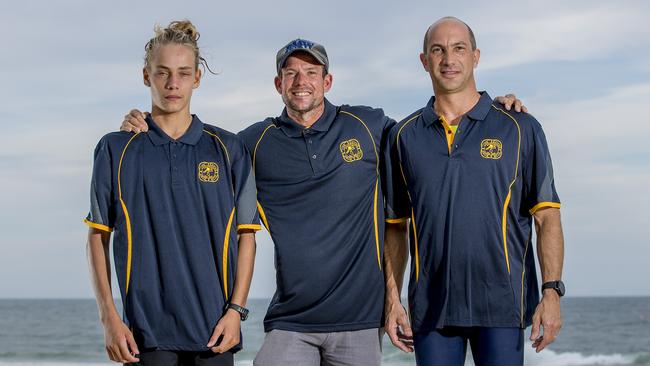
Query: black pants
<point x="177" y="358"/>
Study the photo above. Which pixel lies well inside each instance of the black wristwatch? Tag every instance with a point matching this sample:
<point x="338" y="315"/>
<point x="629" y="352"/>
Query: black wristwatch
<point x="243" y="312"/>
<point x="558" y="286"/>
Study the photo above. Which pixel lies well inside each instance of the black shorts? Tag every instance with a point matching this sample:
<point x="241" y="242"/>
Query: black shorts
<point x="181" y="358"/>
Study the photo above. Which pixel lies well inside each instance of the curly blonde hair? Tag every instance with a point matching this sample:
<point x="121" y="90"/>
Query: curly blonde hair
<point x="177" y="32"/>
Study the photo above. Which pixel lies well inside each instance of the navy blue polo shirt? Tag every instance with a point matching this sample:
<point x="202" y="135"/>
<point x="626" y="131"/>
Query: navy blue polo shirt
<point x="175" y="207"/>
<point x="321" y="199"/>
<point x="471" y="205"/>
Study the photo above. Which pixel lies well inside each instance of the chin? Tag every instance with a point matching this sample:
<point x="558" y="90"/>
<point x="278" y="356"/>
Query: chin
<point x="303" y="107"/>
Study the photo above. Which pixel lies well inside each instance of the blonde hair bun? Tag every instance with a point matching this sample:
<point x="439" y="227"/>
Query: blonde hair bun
<point x="177" y="32"/>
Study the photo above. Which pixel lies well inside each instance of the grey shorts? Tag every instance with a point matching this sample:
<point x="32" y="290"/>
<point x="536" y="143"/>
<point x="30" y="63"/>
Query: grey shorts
<point x="355" y="348"/>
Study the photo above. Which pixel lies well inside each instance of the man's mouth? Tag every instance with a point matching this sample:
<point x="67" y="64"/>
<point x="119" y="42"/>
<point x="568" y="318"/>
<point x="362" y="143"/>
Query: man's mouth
<point x="450" y="72"/>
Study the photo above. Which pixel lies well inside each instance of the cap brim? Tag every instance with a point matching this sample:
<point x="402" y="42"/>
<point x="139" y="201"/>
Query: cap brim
<point x="316" y="55"/>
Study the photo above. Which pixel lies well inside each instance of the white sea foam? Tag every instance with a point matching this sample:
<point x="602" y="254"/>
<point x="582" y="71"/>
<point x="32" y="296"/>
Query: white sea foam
<point x="550" y="358"/>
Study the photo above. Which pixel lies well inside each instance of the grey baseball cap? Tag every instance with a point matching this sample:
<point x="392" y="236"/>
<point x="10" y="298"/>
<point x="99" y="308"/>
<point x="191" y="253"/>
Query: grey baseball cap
<point x="302" y="45"/>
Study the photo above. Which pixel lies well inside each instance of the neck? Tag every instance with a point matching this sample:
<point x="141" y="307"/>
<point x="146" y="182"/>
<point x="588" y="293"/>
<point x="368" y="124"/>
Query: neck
<point x="307" y="118"/>
<point x="453" y="106"/>
<point x="173" y="124"/>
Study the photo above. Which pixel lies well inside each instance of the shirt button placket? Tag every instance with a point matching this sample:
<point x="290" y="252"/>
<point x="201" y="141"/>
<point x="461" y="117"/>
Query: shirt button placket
<point x="306" y="134"/>
<point x="174" y="148"/>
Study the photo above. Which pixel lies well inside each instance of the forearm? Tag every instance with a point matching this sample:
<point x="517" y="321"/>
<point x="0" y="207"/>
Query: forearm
<point x="395" y="258"/>
<point x="245" y="265"/>
<point x="97" y="249"/>
<point x="550" y="243"/>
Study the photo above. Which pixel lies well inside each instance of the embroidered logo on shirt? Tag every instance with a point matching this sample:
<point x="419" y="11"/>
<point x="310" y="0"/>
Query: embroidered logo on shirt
<point x="208" y="171"/>
<point x="351" y="150"/>
<point x="491" y="149"/>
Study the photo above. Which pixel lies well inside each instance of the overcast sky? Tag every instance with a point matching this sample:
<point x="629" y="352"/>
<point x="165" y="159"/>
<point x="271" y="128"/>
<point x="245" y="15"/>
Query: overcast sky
<point x="72" y="69"/>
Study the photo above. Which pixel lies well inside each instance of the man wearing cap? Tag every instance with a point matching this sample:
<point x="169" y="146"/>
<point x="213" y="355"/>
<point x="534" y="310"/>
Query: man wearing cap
<point x="317" y="167"/>
<point x="472" y="270"/>
<point x="318" y="171"/>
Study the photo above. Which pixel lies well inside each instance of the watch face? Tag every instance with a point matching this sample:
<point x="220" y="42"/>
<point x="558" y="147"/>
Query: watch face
<point x="560" y="288"/>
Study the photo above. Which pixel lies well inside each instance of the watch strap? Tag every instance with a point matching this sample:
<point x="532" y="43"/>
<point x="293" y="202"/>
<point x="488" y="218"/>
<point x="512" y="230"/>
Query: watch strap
<point x="243" y="312"/>
<point x="558" y="286"/>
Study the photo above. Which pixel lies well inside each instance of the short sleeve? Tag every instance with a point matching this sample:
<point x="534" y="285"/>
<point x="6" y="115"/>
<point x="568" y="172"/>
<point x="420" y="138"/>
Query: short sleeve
<point x="394" y="185"/>
<point x="245" y="191"/>
<point x="102" y="206"/>
<point x="539" y="185"/>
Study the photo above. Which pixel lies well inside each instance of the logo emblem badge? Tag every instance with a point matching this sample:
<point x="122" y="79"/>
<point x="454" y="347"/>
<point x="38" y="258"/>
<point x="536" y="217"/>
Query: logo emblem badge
<point x="208" y="171"/>
<point x="351" y="150"/>
<point x="491" y="149"/>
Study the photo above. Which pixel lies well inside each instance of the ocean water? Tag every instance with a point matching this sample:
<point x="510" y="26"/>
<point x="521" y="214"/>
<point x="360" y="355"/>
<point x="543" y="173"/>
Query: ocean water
<point x="596" y="331"/>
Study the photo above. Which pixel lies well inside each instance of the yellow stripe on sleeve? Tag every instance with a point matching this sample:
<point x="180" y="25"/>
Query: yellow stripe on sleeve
<point x="255" y="227"/>
<point x="97" y="226"/>
<point x="541" y="205"/>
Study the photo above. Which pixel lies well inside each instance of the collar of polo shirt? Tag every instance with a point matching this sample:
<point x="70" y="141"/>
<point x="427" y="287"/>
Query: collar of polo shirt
<point x="477" y="113"/>
<point x="293" y="129"/>
<point x="191" y="136"/>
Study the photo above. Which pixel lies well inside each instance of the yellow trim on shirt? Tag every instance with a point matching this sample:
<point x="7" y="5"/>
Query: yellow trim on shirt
<point x="417" y="252"/>
<point x="523" y="277"/>
<point x="504" y="226"/>
<point x="263" y="216"/>
<point x="450" y="132"/>
<point x="129" y="238"/>
<point x="97" y="226"/>
<point x="377" y="224"/>
<point x="225" y="150"/>
<point x="415" y="236"/>
<point x="401" y="169"/>
<point x="220" y="142"/>
<point x="224" y="264"/>
<point x="541" y="205"/>
<point x="255" y="227"/>
<point x="258" y="143"/>
<point x="397" y="221"/>
<point x="504" y="222"/>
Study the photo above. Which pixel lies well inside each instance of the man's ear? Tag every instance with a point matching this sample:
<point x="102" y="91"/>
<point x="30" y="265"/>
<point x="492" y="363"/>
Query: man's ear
<point x="197" y="78"/>
<point x="327" y="82"/>
<point x="145" y="77"/>
<point x="278" y="84"/>
<point x="423" y="60"/>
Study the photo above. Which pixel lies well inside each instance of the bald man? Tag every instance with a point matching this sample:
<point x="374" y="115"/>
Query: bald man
<point x="471" y="177"/>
